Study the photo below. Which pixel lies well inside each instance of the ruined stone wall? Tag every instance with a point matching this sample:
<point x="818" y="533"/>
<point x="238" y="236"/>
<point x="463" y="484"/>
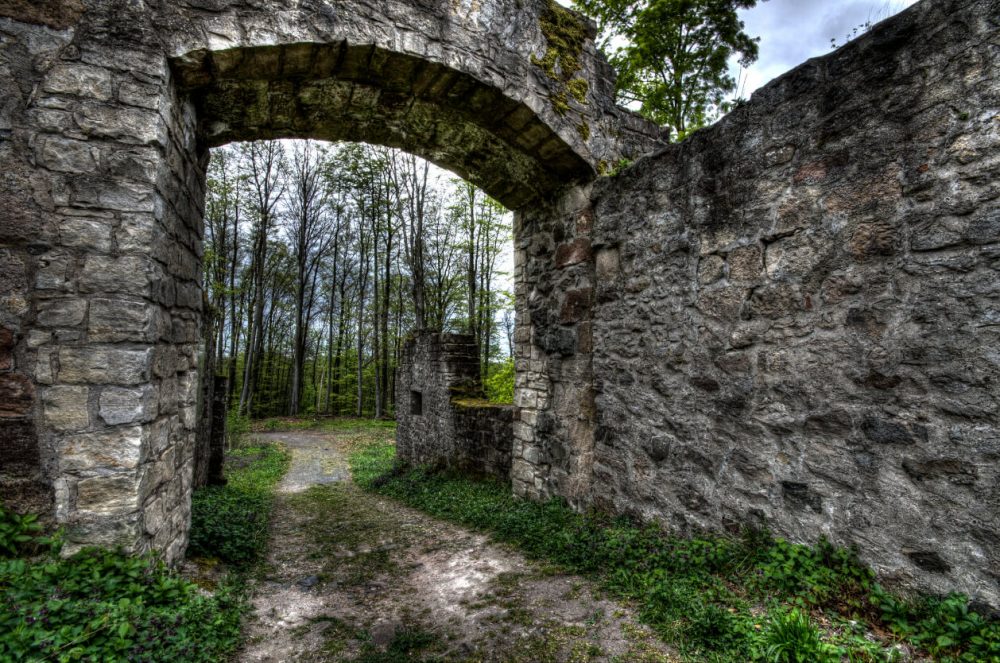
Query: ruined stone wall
<point x="798" y="309"/>
<point x="442" y="419"/>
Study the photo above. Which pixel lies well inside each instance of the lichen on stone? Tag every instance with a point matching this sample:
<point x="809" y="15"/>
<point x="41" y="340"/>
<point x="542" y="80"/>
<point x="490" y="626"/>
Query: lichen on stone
<point x="565" y="35"/>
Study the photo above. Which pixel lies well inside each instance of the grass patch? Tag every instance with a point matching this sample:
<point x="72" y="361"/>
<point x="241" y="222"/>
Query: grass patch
<point x="230" y="522"/>
<point x="716" y="599"/>
<point x="101" y="605"/>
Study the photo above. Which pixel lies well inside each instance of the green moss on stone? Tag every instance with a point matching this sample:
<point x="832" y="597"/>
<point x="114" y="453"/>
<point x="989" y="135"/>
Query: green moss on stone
<point x="560" y="102"/>
<point x="584" y="130"/>
<point x="578" y="87"/>
<point x="565" y="33"/>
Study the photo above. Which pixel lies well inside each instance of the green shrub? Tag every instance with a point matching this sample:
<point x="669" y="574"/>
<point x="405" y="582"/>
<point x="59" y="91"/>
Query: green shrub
<point x="230" y="522"/>
<point x="944" y="626"/>
<point x="100" y="605"/>
<point x="22" y="535"/>
<point x="816" y="575"/>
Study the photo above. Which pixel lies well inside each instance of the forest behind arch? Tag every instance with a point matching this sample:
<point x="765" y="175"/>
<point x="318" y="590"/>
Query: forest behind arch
<point x="321" y="258"/>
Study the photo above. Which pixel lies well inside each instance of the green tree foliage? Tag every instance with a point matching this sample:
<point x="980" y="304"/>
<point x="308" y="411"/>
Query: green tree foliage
<point x="672" y="56"/>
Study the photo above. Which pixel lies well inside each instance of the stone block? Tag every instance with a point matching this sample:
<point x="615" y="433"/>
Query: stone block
<point x="129" y="125"/>
<point x="112" y="450"/>
<point x="65" y="155"/>
<point x="88" y="234"/>
<point x="108" y="495"/>
<point x="119" y="196"/>
<point x="122" y="405"/>
<point x="104" y="365"/>
<point x="62" y="312"/>
<point x="746" y="263"/>
<point x="113" y="320"/>
<point x="711" y="268"/>
<point x="135" y="232"/>
<point x="65" y="407"/>
<point x="124" y="275"/>
<point x="54" y="271"/>
<point x="79" y="80"/>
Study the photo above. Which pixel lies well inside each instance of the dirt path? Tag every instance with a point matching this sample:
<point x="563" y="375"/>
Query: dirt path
<point x="353" y="576"/>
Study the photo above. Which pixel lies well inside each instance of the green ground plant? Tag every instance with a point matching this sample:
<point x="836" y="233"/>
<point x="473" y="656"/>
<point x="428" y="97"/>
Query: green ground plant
<point x="230" y="522"/>
<point x="750" y="597"/>
<point x="101" y="605"/>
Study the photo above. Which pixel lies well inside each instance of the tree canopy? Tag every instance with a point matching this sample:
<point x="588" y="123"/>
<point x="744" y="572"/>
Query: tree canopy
<point x="672" y="56"/>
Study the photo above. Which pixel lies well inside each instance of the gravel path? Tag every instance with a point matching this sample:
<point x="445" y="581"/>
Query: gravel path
<point x="354" y="576"/>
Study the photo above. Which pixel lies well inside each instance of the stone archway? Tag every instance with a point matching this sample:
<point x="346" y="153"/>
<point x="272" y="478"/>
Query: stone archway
<point x="106" y="139"/>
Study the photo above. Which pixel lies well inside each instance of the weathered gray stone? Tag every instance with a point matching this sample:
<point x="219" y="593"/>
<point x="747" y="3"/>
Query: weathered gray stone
<point x="62" y="312"/>
<point x="113" y="320"/>
<point x="88" y="234"/>
<point x="128" y="125"/>
<point x="107" y="495"/>
<point x="115" y="450"/>
<point x="104" y="365"/>
<point x="119" y="405"/>
<point x="125" y="275"/>
<point x="79" y="80"/>
<point x="66" y="407"/>
<point x="66" y="155"/>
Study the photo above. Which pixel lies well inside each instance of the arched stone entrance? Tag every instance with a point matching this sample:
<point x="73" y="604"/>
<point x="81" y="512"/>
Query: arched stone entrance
<point x="115" y="106"/>
<point x="790" y="318"/>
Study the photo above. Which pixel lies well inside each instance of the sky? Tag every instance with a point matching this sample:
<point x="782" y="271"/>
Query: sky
<point x="792" y="31"/>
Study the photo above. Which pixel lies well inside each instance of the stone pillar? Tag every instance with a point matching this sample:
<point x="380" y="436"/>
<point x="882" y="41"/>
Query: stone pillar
<point x="554" y="286"/>
<point x="102" y="191"/>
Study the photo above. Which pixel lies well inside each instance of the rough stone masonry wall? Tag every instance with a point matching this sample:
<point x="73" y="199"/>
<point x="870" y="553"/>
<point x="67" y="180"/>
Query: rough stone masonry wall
<point x="100" y="256"/>
<point x="442" y="418"/>
<point x="798" y="309"/>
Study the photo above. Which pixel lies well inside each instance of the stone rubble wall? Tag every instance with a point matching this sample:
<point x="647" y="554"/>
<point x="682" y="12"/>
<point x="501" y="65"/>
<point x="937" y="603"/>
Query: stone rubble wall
<point x="797" y="314"/>
<point x="454" y="426"/>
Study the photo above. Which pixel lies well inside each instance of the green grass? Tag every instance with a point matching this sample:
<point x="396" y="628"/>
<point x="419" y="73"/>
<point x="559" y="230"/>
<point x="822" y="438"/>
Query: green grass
<point x="714" y="598"/>
<point x="230" y="522"/>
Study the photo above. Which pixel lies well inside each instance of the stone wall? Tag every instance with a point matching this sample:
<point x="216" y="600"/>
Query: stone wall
<point x="442" y="418"/>
<point x="798" y="309"/>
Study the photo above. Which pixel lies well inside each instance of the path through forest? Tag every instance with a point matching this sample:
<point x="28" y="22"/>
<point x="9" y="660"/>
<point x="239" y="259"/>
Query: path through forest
<point x="354" y="576"/>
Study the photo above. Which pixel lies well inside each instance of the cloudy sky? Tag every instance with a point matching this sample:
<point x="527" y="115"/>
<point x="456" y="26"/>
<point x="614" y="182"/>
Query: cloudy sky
<point x="792" y="31"/>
